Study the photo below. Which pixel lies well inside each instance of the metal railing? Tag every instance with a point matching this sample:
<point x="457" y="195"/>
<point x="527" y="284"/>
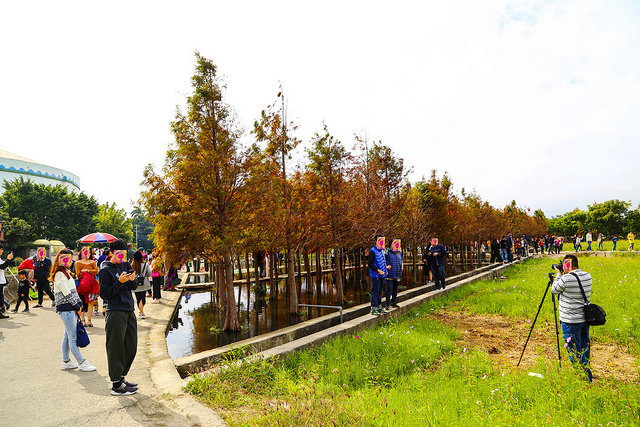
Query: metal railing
<point x="324" y="306"/>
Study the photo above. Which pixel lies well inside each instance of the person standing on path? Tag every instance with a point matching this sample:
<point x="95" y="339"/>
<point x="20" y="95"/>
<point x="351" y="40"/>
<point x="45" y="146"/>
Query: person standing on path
<point x="377" y="272"/>
<point x="68" y="305"/>
<point x="41" y="270"/>
<point x="439" y="253"/>
<point x="3" y="281"/>
<point x="156" y="276"/>
<point x="23" y="291"/>
<point x="589" y="239"/>
<point x="117" y="279"/>
<point x="143" y="276"/>
<point x="632" y="239"/>
<point x="86" y="266"/>
<point x="614" y="239"/>
<point x="394" y="273"/>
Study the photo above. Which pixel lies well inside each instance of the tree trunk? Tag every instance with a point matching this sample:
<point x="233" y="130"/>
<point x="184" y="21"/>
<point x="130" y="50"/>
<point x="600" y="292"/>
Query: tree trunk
<point x="273" y="284"/>
<point x="339" y="277"/>
<point x="414" y="249"/>
<point x="246" y="261"/>
<point x="307" y="267"/>
<point x="318" y="268"/>
<point x="231" y="320"/>
<point x="239" y="268"/>
<point x="291" y="285"/>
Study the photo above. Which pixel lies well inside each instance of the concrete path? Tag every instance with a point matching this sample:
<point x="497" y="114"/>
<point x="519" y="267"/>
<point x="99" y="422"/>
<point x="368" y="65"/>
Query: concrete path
<point x="35" y="392"/>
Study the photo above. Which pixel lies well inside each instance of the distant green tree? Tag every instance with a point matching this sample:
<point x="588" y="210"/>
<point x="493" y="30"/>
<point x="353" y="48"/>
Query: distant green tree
<point x="608" y="217"/>
<point x="16" y="231"/>
<point x="52" y="212"/>
<point x="112" y="220"/>
<point x="142" y="229"/>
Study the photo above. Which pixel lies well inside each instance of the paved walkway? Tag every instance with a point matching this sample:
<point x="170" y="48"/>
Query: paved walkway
<point x="35" y="392"/>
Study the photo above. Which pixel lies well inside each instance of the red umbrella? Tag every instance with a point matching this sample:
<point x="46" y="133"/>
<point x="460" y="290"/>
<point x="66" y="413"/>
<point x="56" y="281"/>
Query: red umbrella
<point x="97" y="238"/>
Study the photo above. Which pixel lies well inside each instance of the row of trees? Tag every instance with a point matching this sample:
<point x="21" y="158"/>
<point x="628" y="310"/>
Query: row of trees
<point x="613" y="217"/>
<point x="30" y="211"/>
<point x="216" y="198"/>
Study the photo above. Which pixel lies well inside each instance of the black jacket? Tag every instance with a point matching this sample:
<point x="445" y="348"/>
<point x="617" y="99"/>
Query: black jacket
<point x="41" y="269"/>
<point x="116" y="295"/>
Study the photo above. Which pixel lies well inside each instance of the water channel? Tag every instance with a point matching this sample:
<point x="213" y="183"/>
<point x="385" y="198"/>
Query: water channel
<point x="197" y="325"/>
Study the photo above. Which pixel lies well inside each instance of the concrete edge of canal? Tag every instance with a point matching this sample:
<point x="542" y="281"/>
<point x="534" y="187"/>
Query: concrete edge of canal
<point x="316" y="331"/>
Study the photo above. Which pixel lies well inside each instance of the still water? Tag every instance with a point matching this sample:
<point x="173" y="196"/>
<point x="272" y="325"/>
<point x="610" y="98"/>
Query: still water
<point x="191" y="329"/>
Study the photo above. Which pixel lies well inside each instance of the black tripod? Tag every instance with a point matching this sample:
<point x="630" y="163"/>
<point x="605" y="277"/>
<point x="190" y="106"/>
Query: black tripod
<point x="555" y="315"/>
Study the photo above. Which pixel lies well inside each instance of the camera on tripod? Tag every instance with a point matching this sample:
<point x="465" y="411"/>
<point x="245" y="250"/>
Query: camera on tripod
<point x="557" y="267"/>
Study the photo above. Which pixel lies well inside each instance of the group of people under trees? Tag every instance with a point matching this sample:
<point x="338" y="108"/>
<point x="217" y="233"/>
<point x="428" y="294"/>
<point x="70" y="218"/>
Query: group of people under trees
<point x="116" y="276"/>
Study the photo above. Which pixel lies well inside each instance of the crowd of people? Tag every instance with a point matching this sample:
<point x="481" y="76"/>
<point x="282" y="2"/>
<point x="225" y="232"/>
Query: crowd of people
<point x="115" y="275"/>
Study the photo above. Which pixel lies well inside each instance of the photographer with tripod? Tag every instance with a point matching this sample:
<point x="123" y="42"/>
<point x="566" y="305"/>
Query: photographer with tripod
<point x="575" y="330"/>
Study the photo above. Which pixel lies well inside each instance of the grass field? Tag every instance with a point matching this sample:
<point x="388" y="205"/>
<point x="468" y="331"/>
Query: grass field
<point x="416" y="370"/>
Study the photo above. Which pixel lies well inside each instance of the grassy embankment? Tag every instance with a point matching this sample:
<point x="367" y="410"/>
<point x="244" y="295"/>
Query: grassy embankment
<point x="413" y="370"/>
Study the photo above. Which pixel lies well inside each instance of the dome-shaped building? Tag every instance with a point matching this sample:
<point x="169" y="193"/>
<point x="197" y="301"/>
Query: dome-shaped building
<point x="13" y="166"/>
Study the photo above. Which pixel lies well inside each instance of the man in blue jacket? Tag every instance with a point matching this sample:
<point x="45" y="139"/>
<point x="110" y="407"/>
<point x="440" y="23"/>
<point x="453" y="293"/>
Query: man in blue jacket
<point x="377" y="272"/>
<point x="117" y="279"/>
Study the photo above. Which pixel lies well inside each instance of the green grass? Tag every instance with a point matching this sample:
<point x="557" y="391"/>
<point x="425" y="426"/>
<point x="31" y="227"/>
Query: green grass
<point x="411" y="371"/>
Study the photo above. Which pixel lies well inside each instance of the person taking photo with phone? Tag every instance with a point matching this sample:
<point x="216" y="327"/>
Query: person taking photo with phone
<point x="117" y="279"/>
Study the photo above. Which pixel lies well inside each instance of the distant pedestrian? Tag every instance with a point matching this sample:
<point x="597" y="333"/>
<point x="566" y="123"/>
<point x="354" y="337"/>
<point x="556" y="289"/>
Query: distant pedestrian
<point x="143" y="272"/>
<point x="631" y="238"/>
<point x="614" y="239"/>
<point x="23" y="291"/>
<point x="3" y="281"/>
<point x="589" y="239"/>
<point x="68" y="305"/>
<point x="121" y="327"/>
<point x="600" y="241"/>
<point x="439" y="253"/>
<point x="86" y="270"/>
<point x="495" y="252"/>
<point x="156" y="276"/>
<point x="41" y="270"/>
<point x="394" y="273"/>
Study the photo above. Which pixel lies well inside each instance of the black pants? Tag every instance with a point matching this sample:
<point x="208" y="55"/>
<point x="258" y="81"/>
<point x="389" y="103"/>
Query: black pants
<point x="24" y="298"/>
<point x="392" y="292"/>
<point x="43" y="286"/>
<point x="121" y="331"/>
<point x="157" y="285"/>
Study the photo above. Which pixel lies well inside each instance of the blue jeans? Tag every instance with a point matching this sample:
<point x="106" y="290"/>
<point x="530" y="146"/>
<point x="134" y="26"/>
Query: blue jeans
<point x="69" y="320"/>
<point x="588" y="246"/>
<point x="579" y="347"/>
<point x="438" y="276"/>
<point x="376" y="289"/>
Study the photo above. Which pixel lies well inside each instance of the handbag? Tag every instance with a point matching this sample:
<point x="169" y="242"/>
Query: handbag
<point x="82" y="338"/>
<point x="86" y="283"/>
<point x="594" y="315"/>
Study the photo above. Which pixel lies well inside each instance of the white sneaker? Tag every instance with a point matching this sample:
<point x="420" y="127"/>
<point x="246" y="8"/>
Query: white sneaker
<point x="142" y="316"/>
<point x="68" y="365"/>
<point x="86" y="366"/>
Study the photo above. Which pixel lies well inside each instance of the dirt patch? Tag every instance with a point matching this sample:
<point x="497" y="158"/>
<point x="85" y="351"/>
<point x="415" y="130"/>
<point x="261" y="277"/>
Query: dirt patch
<point x="503" y="339"/>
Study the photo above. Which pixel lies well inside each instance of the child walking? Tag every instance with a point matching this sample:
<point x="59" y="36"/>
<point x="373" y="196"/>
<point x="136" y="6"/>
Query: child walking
<point x="23" y="291"/>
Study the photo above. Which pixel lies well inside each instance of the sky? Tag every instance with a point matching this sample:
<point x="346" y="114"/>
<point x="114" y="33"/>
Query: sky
<point x="537" y="101"/>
